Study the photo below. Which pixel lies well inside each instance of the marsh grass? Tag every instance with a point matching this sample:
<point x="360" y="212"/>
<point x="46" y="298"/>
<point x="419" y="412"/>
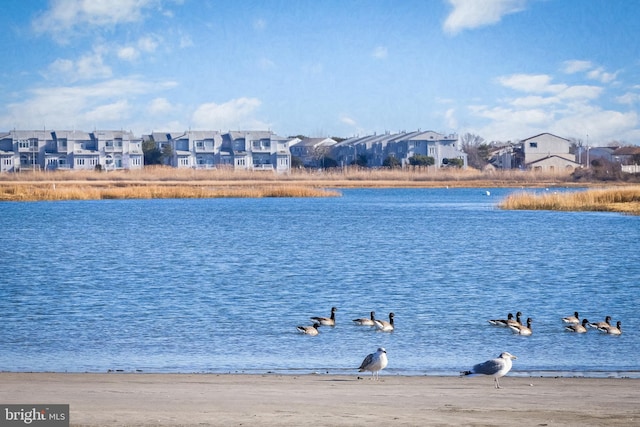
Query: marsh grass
<point x="65" y="191"/>
<point x="619" y="199"/>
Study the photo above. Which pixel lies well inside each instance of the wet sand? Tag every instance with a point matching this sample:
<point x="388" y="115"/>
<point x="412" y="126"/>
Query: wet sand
<point x="121" y="399"/>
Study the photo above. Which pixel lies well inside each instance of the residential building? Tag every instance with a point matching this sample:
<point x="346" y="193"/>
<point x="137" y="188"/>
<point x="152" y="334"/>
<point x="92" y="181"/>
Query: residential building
<point x="547" y="152"/>
<point x="311" y="151"/>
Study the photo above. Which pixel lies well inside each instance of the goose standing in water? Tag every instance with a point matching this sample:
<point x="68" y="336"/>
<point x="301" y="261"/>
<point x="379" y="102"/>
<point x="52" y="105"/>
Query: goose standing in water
<point x="521" y="329"/>
<point x="495" y="368"/>
<point x="385" y="326"/>
<point x="579" y="328"/>
<point x="375" y="362"/>
<point x="309" y="330"/>
<point x="366" y="322"/>
<point x="598" y="325"/>
<point x="613" y="330"/>
<point x="573" y="320"/>
<point x="327" y="321"/>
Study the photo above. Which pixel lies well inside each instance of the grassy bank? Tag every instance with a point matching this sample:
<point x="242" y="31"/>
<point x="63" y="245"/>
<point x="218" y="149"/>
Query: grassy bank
<point x="620" y="199"/>
<point x="74" y="191"/>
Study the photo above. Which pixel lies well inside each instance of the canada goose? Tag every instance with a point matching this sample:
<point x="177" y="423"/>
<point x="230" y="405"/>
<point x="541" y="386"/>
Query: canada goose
<point x="521" y="329"/>
<point x="366" y="322"/>
<point x="309" y="330"/>
<point x="495" y="367"/>
<point x="579" y="328"/>
<point x="613" y="330"/>
<point x="501" y="322"/>
<point x="374" y="362"/>
<point x="598" y="325"/>
<point x="327" y="321"/>
<point x="385" y="326"/>
<point x="573" y="320"/>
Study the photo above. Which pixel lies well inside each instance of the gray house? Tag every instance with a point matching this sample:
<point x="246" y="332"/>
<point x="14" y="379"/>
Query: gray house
<point x="548" y="152"/>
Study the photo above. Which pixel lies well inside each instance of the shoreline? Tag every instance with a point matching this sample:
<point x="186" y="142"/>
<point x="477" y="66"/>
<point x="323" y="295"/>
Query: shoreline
<point x="137" y="399"/>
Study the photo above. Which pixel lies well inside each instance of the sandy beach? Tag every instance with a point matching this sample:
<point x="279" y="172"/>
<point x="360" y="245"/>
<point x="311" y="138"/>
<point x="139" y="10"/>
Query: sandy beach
<point x="121" y="399"/>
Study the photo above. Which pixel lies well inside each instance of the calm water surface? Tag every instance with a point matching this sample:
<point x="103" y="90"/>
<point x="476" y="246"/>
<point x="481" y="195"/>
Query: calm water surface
<point x="219" y="285"/>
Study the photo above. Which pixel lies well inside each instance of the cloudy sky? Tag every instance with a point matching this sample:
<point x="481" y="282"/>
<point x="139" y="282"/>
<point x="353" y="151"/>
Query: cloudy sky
<point x="502" y="69"/>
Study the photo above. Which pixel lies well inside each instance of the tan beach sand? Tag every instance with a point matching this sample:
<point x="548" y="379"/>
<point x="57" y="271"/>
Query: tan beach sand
<point x="327" y="400"/>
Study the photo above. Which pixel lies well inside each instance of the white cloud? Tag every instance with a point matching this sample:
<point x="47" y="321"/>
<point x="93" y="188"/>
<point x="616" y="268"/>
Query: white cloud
<point x="88" y="67"/>
<point x="234" y="114"/>
<point x="601" y="75"/>
<point x="380" y="52"/>
<point x="348" y="121"/>
<point x="469" y="14"/>
<point x="531" y="83"/>
<point x="128" y="53"/>
<point x="450" y="117"/>
<point x="102" y="104"/>
<point x="65" y="16"/>
<point x="576" y="66"/>
<point x="159" y="106"/>
<point x="628" y="98"/>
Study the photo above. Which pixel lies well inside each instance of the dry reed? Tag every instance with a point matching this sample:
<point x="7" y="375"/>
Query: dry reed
<point x="625" y="199"/>
<point x="63" y="191"/>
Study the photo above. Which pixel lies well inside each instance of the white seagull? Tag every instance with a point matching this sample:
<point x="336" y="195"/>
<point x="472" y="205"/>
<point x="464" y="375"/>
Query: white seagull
<point x="613" y="330"/>
<point x="327" y="321"/>
<point x="366" y="322"/>
<point x="309" y="330"/>
<point x="579" y="328"/>
<point x="495" y="367"/>
<point x="573" y="320"/>
<point x="385" y="326"/>
<point x="375" y="362"/>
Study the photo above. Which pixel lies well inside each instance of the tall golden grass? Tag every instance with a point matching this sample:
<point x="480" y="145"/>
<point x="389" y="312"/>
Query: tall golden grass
<point x="619" y="199"/>
<point x="71" y="191"/>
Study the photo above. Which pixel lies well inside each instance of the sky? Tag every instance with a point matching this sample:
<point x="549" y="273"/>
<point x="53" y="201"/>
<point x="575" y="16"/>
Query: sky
<point x="501" y="69"/>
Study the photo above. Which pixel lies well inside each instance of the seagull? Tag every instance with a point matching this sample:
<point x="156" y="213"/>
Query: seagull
<point x="327" y="321"/>
<point x="574" y="320"/>
<point x="495" y="367"/>
<point x="598" y="325"/>
<point x="521" y="329"/>
<point x="366" y="322"/>
<point x="309" y="330"/>
<point x="613" y="330"/>
<point x="579" y="328"/>
<point x="375" y="362"/>
<point x="383" y="325"/>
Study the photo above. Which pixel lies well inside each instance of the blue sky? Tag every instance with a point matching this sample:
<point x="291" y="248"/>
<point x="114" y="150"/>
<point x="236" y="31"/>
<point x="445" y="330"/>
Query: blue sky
<point x="501" y="69"/>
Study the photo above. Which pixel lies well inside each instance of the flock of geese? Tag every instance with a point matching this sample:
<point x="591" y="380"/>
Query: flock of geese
<point x="381" y="325"/>
<point x="574" y="324"/>
<point x="496" y="368"/>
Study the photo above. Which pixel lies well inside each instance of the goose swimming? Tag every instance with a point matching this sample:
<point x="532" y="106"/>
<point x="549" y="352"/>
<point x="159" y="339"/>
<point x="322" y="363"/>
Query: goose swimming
<point x="327" y="321"/>
<point x="598" y="325"/>
<point x="613" y="330"/>
<point x="573" y="320"/>
<point x="385" y="326"/>
<point x="366" y="322"/>
<point x="521" y="329"/>
<point x="495" y="368"/>
<point x="579" y="328"/>
<point x="309" y="330"/>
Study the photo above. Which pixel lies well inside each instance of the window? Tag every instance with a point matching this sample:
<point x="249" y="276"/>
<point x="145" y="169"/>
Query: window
<point x="533" y="145"/>
<point x="184" y="161"/>
<point x="23" y="144"/>
<point x="79" y="162"/>
<point x="200" y="144"/>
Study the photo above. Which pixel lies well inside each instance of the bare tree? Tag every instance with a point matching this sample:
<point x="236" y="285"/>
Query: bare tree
<point x="476" y="148"/>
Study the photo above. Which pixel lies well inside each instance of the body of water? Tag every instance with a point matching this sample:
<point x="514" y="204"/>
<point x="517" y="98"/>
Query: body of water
<point x="219" y="285"/>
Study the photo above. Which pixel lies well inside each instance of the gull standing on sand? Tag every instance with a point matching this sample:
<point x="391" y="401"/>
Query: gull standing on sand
<point x="366" y="322"/>
<point x="309" y="330"/>
<point x="385" y="326"/>
<point x="579" y="328"/>
<point x="375" y="362"/>
<point x="495" y="367"/>
<point x="327" y="321"/>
